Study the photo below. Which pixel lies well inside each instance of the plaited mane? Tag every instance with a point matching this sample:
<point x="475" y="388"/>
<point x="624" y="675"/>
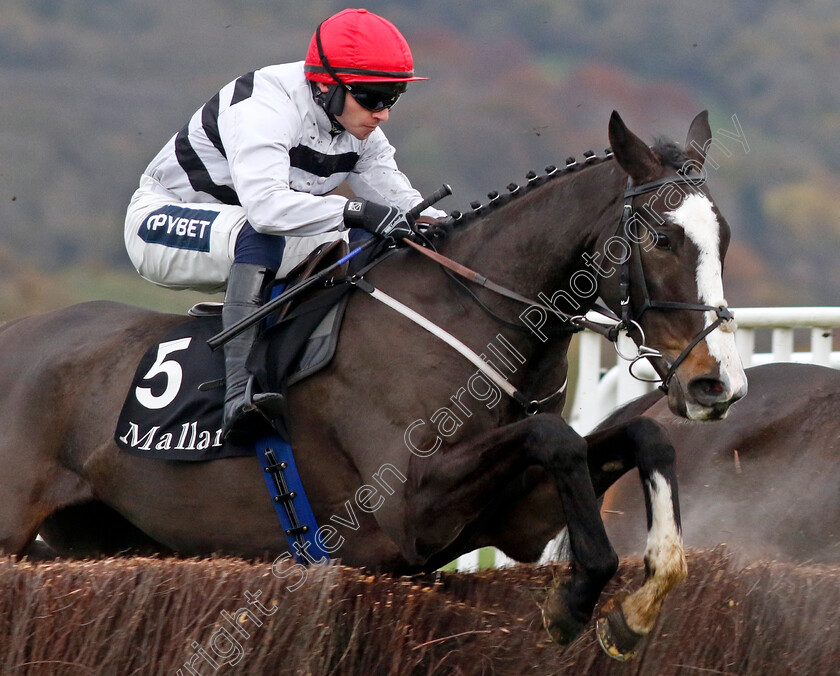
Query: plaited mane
<point x="667" y="151"/>
<point x="532" y="181"/>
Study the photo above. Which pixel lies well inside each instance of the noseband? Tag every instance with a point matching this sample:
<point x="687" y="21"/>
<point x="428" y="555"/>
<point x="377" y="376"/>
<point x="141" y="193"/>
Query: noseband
<point x="632" y="265"/>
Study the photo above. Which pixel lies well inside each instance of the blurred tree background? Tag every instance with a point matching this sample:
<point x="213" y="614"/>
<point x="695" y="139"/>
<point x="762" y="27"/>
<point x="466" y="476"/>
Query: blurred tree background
<point x="92" y="90"/>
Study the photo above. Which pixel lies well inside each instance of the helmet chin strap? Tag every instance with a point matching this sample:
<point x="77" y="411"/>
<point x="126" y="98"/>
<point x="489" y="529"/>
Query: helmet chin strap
<point x="329" y="101"/>
<point x="333" y="100"/>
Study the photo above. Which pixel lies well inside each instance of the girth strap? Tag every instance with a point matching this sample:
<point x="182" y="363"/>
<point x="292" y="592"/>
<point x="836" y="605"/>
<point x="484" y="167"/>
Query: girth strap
<point x="290" y="501"/>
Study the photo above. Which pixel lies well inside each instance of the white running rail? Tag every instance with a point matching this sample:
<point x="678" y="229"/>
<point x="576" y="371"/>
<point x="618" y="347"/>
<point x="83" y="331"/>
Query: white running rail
<point x="604" y="382"/>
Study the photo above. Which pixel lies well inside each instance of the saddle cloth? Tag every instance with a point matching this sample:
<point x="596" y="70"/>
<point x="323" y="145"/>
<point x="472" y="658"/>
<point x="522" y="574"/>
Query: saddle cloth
<point x="167" y="415"/>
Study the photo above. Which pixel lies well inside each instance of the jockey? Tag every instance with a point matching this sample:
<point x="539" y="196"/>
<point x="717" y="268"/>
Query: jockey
<point x="240" y="194"/>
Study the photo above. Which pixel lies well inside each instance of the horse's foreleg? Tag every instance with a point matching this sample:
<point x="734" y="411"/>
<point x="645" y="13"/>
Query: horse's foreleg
<point x="641" y="443"/>
<point x="457" y="485"/>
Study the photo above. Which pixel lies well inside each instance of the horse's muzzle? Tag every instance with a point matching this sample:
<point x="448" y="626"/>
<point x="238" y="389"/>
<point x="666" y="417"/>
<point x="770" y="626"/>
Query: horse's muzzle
<point x="703" y="398"/>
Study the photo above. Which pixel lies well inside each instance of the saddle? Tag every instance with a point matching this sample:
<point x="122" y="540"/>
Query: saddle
<point x="319" y="258"/>
<point x="173" y="409"/>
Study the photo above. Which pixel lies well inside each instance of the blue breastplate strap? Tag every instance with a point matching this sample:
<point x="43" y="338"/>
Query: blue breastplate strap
<point x="289" y="499"/>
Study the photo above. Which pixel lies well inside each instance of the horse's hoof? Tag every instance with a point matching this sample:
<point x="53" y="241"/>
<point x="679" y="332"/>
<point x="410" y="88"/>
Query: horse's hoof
<point x="616" y="637"/>
<point x="558" y="621"/>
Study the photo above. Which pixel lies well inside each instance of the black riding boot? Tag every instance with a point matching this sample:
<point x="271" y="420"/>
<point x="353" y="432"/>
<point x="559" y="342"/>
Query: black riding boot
<point x="245" y="293"/>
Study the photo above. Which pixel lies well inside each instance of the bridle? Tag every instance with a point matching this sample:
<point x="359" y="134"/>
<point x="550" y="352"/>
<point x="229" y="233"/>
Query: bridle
<point x="630" y="318"/>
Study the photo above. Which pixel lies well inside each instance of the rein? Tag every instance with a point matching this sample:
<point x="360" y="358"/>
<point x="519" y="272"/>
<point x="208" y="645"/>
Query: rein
<point x="473" y="276"/>
<point x="628" y="321"/>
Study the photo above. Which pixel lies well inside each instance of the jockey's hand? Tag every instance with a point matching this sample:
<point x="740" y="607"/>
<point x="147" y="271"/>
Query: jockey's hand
<point x="424" y="223"/>
<point x="383" y="221"/>
<point x="429" y="226"/>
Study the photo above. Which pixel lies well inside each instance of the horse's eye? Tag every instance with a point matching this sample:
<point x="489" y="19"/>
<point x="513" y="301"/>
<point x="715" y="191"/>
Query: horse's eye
<point x="662" y="241"/>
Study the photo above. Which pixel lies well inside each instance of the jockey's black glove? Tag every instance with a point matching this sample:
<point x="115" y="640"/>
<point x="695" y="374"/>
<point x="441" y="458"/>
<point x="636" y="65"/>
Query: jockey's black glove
<point x="430" y="227"/>
<point x="383" y="221"/>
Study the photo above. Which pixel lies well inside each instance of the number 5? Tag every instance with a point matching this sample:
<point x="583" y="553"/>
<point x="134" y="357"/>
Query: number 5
<point x="172" y="370"/>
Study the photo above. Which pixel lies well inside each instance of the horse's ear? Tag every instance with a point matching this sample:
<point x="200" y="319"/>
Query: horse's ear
<point x="698" y="138"/>
<point x="631" y="153"/>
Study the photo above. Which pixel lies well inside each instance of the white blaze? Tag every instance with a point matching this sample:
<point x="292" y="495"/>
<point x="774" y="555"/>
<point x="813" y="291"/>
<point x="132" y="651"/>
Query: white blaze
<point x="697" y="218"/>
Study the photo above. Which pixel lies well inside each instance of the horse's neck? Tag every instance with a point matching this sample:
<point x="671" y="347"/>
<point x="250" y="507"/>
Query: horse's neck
<point x="535" y="243"/>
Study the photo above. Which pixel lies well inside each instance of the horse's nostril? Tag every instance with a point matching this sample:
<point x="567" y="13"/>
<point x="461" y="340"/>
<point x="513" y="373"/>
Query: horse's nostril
<point x="707" y="391"/>
<point x="715" y="387"/>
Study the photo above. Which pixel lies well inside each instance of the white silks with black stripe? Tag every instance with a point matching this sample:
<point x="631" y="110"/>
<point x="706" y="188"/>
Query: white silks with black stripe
<point x="260" y="150"/>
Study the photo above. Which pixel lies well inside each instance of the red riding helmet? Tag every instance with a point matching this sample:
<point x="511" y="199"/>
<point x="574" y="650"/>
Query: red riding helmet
<point x="359" y="46"/>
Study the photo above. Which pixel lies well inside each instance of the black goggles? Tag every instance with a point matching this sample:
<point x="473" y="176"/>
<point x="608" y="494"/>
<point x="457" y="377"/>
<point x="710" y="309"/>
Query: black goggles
<point x="377" y="97"/>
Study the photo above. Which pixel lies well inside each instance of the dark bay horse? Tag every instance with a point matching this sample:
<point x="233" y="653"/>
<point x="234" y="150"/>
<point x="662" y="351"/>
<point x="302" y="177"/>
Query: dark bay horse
<point x="407" y="455"/>
<point x="765" y="481"/>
